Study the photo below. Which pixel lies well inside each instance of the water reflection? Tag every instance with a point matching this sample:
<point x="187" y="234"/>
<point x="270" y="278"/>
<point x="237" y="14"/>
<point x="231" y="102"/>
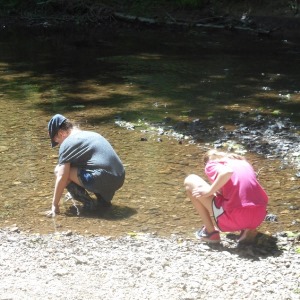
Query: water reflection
<point x="95" y="79"/>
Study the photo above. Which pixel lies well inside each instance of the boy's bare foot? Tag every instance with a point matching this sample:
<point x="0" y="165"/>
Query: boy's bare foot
<point x="247" y="236"/>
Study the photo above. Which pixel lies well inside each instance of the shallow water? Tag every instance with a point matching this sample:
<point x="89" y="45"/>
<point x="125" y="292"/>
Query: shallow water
<point x="94" y="77"/>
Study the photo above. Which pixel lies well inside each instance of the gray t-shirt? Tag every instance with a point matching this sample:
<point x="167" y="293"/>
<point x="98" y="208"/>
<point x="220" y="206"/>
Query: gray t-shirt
<point x="90" y="150"/>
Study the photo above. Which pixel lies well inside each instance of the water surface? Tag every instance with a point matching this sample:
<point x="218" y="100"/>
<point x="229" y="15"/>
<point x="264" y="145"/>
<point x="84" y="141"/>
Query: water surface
<point x="95" y="77"/>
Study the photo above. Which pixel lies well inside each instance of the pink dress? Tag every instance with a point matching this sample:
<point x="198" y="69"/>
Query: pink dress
<point x="242" y="201"/>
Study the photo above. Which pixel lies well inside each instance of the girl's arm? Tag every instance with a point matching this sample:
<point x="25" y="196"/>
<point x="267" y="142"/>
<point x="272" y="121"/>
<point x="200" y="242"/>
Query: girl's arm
<point x="224" y="174"/>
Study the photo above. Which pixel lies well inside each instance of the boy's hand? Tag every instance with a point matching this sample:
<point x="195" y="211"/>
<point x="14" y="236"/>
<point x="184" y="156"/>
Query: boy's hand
<point x="54" y="210"/>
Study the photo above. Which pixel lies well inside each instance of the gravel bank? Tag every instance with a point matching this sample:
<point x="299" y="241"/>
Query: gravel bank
<point x="141" y="266"/>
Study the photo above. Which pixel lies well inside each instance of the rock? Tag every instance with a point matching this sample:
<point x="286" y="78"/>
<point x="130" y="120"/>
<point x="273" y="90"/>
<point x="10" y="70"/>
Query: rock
<point x="14" y="229"/>
<point x="271" y="218"/>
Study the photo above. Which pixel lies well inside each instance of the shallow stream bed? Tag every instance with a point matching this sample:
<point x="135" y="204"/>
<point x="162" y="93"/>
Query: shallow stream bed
<point x="155" y="81"/>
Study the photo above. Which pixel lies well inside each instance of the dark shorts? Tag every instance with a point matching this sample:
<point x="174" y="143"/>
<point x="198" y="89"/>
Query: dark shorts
<point x="101" y="182"/>
<point x="240" y="218"/>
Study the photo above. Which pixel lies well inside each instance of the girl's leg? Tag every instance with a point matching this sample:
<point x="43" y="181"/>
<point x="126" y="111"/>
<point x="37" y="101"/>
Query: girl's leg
<point x="247" y="236"/>
<point x="203" y="205"/>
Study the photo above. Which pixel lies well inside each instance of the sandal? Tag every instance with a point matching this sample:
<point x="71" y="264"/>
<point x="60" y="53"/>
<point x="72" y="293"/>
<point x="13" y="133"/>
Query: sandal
<point x="204" y="236"/>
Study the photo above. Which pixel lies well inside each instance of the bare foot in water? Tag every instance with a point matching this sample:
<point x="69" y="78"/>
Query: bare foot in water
<point x="247" y="236"/>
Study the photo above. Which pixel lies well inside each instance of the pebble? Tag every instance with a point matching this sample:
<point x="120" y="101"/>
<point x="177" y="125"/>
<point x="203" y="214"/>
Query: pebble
<point x="143" y="266"/>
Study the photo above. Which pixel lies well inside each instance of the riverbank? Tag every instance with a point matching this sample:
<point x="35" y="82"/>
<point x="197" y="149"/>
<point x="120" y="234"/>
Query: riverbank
<point x="278" y="19"/>
<point x="142" y="266"/>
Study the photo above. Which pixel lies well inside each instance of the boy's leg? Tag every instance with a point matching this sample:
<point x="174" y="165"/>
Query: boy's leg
<point x="203" y="205"/>
<point x="74" y="176"/>
<point x="102" y="202"/>
<point x="78" y="192"/>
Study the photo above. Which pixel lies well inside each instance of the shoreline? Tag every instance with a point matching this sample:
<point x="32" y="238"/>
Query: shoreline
<point x="69" y="266"/>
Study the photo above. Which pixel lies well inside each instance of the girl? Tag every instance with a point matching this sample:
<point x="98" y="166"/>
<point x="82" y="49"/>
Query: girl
<point x="235" y="199"/>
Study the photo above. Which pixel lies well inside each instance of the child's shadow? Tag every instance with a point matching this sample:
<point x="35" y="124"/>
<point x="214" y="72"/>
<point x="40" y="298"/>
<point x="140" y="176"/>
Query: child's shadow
<point x="113" y="212"/>
<point x="262" y="246"/>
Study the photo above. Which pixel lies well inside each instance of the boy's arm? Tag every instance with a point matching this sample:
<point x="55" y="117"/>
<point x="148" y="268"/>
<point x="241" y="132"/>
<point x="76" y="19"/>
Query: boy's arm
<point x="62" y="179"/>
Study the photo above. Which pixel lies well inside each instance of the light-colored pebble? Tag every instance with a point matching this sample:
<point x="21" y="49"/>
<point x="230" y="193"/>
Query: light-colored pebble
<point x="140" y="267"/>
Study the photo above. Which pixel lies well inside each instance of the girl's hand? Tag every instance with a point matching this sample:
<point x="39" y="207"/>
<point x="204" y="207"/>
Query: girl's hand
<point x="201" y="192"/>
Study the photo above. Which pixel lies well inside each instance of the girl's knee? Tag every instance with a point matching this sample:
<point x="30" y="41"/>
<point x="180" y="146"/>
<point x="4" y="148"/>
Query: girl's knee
<point x="188" y="184"/>
<point x="190" y="179"/>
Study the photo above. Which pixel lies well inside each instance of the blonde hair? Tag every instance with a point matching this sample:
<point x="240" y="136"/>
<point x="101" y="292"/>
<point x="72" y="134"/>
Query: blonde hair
<point x="214" y="154"/>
